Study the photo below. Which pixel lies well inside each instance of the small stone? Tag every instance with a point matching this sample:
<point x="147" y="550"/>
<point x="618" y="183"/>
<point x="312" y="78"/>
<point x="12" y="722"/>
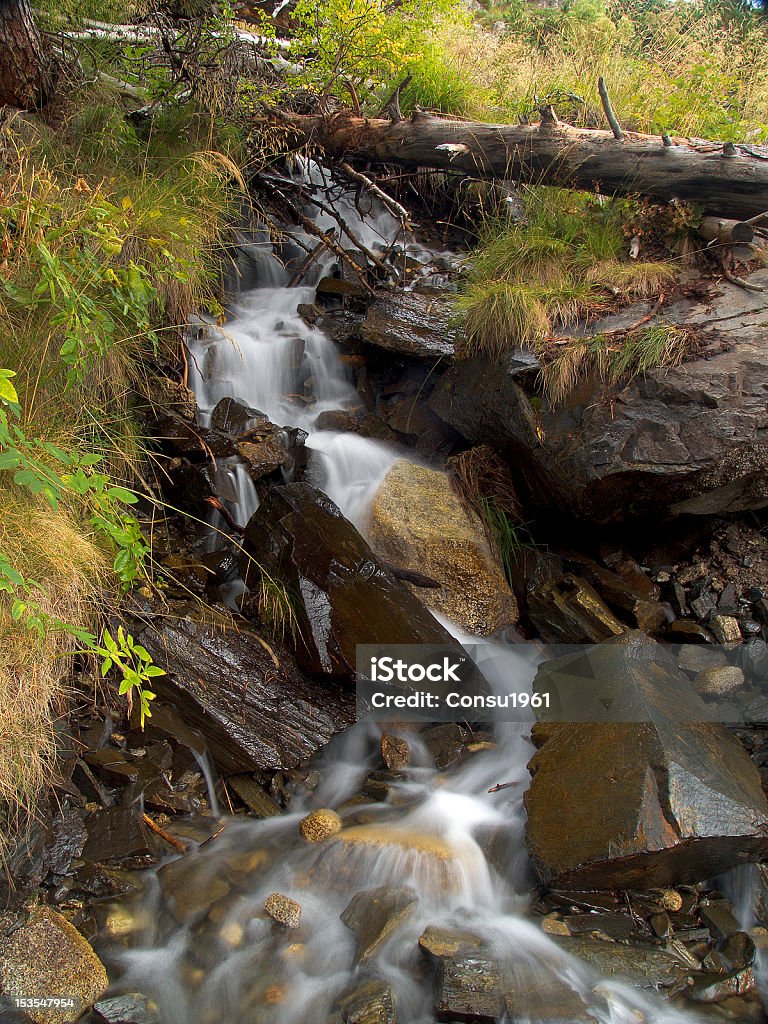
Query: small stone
<point x="394" y="751"/>
<point x="669" y="899"/>
<point x="553" y="925"/>
<point x="374" y="916"/>
<point x="660" y="924"/>
<point x="754" y="593"/>
<point x="713" y="988"/>
<point x="702" y="607"/>
<point x="725" y="628"/>
<point x="751" y="628"/>
<point x="719" y="682"/>
<point x="283" y="909"/>
<point x="320" y="825"/>
<point x="691" y="573"/>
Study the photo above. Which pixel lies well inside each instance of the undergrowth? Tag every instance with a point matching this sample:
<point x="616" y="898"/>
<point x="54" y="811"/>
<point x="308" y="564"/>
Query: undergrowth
<point x="109" y="238"/>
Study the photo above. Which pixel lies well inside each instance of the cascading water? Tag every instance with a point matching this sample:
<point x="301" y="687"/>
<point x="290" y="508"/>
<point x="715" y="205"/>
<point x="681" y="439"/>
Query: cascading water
<point x="200" y="944"/>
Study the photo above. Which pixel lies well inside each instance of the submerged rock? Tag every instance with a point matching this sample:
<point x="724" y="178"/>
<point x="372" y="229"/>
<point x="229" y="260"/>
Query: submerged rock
<point x="47" y="956"/>
<point x="255" y="711"/>
<point x="650" y="794"/>
<point x="418" y="522"/>
<point x="343" y="595"/>
<point x="370" y="1002"/>
<point x="376" y="914"/>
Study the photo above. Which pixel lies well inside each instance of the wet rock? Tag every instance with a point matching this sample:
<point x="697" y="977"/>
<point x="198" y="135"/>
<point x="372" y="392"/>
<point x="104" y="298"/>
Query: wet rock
<point x="656" y="798"/>
<point x="177" y="436"/>
<point x="343" y="594"/>
<point x="437" y="942"/>
<point x="254" y="796"/>
<point x="115" y="833"/>
<point x="337" y="286"/>
<point x="253" y="713"/>
<point x="233" y="417"/>
<point x="687" y="631"/>
<point x="132" y="1008"/>
<point x="120" y="767"/>
<point x="639" y="966"/>
<point x="469" y="989"/>
<point x="687" y="439"/>
<point x="720" y="681"/>
<point x="358" y="421"/>
<point x="625" y="594"/>
<point x="695" y="659"/>
<point x="263" y="457"/>
<point x="414" y="423"/>
<point x="714" y="988"/>
<point x="46" y="956"/>
<point x="283" y="909"/>
<point x="69" y="836"/>
<point x="418" y="522"/>
<point x="661" y="926"/>
<point x="718" y="917"/>
<point x="320" y="825"/>
<point x="370" y="1002"/>
<point x="615" y="926"/>
<point x="395" y="751"/>
<point x="568" y="610"/>
<point x="375" y="915"/>
<point x="420" y="326"/>
<point x="445" y="743"/>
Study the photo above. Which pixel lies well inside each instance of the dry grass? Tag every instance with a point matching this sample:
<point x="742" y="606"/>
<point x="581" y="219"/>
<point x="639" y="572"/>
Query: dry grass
<point x="70" y="571"/>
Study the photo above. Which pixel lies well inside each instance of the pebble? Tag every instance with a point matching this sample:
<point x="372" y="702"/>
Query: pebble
<point x="320" y="825"/>
<point x="552" y="925"/>
<point x="669" y="899"/>
<point x="725" y="628"/>
<point x="283" y="909"/>
<point x="660" y="924"/>
<point x="720" y="681"/>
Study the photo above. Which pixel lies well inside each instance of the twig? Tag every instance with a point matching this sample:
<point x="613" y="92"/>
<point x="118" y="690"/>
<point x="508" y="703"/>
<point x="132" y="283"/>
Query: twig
<point x="311" y="258"/>
<point x="171" y="840"/>
<point x="759" y="216"/>
<point x="216" y="833"/>
<point x="392" y="204"/>
<point x="605" y="99"/>
<point x="740" y="281"/>
<point x="501" y="785"/>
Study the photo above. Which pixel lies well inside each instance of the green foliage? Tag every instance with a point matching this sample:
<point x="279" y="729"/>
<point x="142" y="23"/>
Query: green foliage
<point x="135" y="665"/>
<point x="510" y="537"/>
<point x="348" y="46"/>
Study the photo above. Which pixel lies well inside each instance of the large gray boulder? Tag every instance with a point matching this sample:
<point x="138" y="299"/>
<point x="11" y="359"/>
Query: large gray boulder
<point x="689" y="439"/>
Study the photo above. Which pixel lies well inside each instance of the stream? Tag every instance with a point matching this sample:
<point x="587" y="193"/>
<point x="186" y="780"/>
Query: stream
<point x="200" y="944"/>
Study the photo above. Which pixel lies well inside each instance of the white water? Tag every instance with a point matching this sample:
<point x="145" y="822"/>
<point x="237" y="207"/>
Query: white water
<point x="432" y="834"/>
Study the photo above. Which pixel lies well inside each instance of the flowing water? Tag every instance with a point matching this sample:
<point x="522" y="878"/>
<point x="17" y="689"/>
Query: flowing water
<point x="200" y="944"/>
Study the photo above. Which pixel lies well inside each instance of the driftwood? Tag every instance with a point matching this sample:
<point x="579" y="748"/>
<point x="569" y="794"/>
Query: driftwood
<point x="725" y="232"/>
<point x="729" y="181"/>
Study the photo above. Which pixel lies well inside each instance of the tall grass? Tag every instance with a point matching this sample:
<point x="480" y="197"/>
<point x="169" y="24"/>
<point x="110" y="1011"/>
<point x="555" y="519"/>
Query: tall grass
<point x="532" y="280"/>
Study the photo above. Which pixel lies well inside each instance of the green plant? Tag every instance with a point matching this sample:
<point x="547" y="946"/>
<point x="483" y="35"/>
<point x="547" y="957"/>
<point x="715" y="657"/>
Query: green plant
<point x="510" y="537"/>
<point x="135" y="665"/>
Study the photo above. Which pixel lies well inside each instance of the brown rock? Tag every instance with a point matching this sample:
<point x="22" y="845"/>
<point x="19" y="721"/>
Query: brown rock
<point x="568" y="610"/>
<point x="418" y="522"/>
<point x="320" y="825"/>
<point x="375" y="915"/>
<point x="283" y="910"/>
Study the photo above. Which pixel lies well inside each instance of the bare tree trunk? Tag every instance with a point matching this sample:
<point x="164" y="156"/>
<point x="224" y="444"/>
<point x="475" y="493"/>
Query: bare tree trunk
<point x="25" y="77"/>
<point x="727" y="180"/>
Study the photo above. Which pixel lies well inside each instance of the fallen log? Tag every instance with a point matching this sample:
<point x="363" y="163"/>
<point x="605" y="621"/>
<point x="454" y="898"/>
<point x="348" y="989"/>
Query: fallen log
<point x="725" y="232"/>
<point x="727" y="180"/>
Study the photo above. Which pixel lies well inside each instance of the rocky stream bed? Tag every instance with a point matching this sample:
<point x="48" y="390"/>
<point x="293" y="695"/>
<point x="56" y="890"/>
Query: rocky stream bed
<point x="257" y="854"/>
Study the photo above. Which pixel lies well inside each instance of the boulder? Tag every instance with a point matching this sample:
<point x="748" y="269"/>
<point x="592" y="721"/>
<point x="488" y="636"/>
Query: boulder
<point x="687" y="439"/>
<point x="47" y="956"/>
<point x="414" y="325"/>
<point x="376" y="914"/>
<point x="418" y="522"/>
<point x="369" y="1002"/>
<point x="256" y="711"/>
<point x="343" y="595"/>
<point x="633" y="787"/>
<point x="568" y="610"/>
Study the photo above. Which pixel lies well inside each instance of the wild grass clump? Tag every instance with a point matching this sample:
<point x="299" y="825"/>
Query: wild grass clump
<point x="532" y="280"/>
<point x="68" y="570"/>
